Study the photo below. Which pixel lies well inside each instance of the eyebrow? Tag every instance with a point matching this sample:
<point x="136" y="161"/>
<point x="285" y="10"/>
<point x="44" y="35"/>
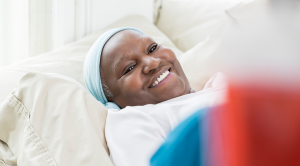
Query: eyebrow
<point x="127" y="56"/>
<point x="120" y="60"/>
<point x="145" y="38"/>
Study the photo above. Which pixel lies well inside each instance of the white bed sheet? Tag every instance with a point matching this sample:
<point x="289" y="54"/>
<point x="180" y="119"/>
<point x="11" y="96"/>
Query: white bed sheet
<point x="135" y="133"/>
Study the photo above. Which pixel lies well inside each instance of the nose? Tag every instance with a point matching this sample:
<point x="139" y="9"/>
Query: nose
<point x="150" y="64"/>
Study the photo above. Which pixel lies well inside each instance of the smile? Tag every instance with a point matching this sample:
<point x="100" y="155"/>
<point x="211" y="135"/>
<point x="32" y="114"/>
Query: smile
<point x="160" y="78"/>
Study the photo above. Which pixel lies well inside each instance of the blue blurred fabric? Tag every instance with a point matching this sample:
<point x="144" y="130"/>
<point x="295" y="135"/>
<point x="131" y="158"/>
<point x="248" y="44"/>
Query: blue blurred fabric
<point x="185" y="146"/>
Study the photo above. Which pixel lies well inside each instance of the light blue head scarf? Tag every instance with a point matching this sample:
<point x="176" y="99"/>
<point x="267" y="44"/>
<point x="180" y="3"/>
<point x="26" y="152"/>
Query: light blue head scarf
<point x="91" y="68"/>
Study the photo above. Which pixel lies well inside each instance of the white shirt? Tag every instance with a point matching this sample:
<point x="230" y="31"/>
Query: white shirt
<point x="133" y="134"/>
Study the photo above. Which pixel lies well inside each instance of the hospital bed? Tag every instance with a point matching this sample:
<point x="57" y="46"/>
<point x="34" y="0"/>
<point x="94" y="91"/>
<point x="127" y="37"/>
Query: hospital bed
<point x="47" y="117"/>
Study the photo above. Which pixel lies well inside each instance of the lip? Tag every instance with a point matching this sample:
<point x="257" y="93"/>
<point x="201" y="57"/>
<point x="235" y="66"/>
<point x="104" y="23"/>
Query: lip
<point x="164" y="69"/>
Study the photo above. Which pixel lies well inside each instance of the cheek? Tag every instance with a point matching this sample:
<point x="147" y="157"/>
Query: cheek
<point x="131" y="84"/>
<point x="168" y="55"/>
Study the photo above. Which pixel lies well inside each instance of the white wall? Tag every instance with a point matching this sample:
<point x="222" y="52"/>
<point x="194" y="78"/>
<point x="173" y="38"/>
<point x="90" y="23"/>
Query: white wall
<point x="32" y="27"/>
<point x="103" y="15"/>
<point x="14" y="36"/>
<point x="52" y="24"/>
<point x="73" y="19"/>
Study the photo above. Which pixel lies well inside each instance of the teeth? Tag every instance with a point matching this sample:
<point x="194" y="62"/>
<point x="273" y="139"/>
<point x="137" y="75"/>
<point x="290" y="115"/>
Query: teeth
<point x="160" y="78"/>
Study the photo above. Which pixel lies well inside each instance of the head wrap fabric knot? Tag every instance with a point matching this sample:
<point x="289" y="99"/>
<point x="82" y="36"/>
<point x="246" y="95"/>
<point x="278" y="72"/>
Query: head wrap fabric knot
<point x="91" y="68"/>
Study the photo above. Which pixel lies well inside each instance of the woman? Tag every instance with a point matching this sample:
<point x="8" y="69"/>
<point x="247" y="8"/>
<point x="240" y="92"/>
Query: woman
<point x="133" y="64"/>
<point x="126" y="69"/>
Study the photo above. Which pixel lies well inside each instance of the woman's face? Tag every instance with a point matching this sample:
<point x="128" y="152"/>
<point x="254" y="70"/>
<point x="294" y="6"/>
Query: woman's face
<point x="139" y="71"/>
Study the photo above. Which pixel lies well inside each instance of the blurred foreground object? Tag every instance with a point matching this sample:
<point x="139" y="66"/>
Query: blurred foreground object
<point x="260" y="124"/>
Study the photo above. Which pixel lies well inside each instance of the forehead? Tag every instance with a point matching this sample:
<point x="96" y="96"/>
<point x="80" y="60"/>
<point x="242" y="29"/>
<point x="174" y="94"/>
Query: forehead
<point x="123" y="39"/>
<point x="121" y="44"/>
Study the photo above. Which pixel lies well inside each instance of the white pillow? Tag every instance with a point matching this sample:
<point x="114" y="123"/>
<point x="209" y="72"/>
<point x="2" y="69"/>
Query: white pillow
<point x="6" y="156"/>
<point x="51" y="119"/>
<point x="207" y="57"/>
<point x="189" y="22"/>
<point x="204" y="60"/>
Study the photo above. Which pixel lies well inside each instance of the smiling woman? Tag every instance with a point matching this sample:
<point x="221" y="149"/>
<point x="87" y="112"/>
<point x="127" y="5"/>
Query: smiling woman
<point x="147" y="93"/>
<point x="133" y="70"/>
<point x="139" y="71"/>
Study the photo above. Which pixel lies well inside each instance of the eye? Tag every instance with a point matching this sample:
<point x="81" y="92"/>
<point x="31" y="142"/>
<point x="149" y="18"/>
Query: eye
<point x="152" y="48"/>
<point x="129" y="69"/>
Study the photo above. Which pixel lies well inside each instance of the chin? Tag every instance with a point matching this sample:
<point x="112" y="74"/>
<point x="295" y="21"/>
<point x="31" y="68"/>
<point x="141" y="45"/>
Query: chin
<point x="180" y="91"/>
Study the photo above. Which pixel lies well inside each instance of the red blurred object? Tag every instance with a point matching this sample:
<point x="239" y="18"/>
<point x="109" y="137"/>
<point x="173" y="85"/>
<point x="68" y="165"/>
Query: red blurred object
<point x="261" y="126"/>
